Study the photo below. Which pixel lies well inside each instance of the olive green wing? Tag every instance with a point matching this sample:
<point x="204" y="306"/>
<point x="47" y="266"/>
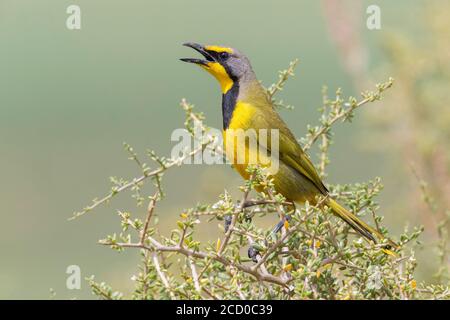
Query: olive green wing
<point x="296" y="158"/>
<point x="290" y="151"/>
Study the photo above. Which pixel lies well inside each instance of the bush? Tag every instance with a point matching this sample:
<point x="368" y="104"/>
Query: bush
<point x="315" y="256"/>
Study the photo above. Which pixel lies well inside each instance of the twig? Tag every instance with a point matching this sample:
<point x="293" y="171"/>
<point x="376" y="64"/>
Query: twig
<point x="282" y="78"/>
<point x="150" y="208"/>
<point x="233" y="222"/>
<point x="156" y="246"/>
<point x="158" y="171"/>
<point x="162" y="276"/>
<point x="195" y="276"/>
<point x="345" y="113"/>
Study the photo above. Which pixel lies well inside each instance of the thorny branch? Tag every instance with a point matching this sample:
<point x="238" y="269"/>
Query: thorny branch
<point x="314" y="251"/>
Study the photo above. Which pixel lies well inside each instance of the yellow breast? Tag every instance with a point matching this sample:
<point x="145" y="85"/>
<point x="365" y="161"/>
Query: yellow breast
<point x="242" y="115"/>
<point x="241" y="139"/>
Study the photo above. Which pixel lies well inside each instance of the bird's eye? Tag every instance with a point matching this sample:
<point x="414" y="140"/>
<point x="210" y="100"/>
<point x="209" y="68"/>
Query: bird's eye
<point x="224" y="55"/>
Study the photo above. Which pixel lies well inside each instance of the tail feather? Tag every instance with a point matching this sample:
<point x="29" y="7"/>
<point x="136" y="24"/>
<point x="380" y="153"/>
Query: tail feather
<point x="357" y="224"/>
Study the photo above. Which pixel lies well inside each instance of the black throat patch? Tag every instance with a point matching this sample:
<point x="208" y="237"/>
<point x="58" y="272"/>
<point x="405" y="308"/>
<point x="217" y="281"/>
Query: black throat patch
<point x="229" y="100"/>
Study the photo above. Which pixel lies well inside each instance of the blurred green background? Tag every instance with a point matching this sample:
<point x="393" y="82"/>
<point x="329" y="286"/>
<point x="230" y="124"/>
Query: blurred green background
<point x="68" y="99"/>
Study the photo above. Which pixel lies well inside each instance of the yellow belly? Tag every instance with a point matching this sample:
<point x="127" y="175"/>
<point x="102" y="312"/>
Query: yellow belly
<point x="287" y="181"/>
<point x="237" y="152"/>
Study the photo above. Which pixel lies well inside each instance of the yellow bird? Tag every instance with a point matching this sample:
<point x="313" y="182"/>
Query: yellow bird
<point x="245" y="105"/>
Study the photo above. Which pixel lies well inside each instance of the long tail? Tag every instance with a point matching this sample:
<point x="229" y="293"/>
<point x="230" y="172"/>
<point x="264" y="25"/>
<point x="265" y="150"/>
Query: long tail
<point x="357" y="224"/>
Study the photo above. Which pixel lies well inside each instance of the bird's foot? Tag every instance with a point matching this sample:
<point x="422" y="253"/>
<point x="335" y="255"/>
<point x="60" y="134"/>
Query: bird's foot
<point x="253" y="253"/>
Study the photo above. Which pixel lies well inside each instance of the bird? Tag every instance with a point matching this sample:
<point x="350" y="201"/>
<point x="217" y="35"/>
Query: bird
<point x="246" y="105"/>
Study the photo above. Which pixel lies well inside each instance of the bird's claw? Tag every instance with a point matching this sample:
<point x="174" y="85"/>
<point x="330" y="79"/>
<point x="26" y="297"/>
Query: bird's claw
<point x="253" y="253"/>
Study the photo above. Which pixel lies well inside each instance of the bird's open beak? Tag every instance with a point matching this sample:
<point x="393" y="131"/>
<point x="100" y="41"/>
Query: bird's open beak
<point x="201" y="49"/>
